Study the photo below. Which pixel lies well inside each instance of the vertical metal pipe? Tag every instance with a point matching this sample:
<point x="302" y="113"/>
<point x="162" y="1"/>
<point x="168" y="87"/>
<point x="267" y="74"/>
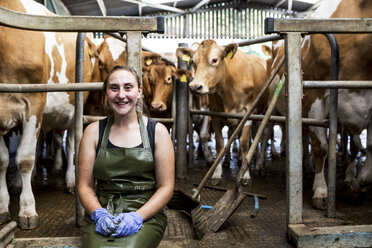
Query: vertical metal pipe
<point x="174" y="102"/>
<point x="134" y="57"/>
<point x="294" y="128"/>
<point x="190" y="131"/>
<point x="186" y="26"/>
<point x="333" y="101"/>
<point x="78" y="132"/>
<point x="181" y="129"/>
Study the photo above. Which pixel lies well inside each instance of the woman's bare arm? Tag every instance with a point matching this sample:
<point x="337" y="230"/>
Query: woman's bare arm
<point x="87" y="155"/>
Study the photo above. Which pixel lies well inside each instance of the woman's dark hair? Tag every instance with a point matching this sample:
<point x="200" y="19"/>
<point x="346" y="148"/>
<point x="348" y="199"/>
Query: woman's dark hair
<point x="104" y="88"/>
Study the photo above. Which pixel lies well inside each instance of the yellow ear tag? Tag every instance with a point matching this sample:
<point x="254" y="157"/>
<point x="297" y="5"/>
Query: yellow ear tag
<point x="267" y="53"/>
<point x="186" y="58"/>
<point x="229" y="55"/>
<point x="184" y="78"/>
<point x="148" y="61"/>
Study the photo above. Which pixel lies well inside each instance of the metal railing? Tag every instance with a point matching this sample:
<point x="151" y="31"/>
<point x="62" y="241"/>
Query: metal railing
<point x="293" y="29"/>
<point x="132" y="26"/>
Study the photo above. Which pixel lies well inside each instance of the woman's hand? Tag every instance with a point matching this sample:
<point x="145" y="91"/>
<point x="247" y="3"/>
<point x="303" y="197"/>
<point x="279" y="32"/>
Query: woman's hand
<point x="128" y="224"/>
<point x="105" y="222"/>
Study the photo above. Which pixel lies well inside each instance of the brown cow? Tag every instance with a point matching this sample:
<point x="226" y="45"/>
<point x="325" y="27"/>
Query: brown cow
<point x="32" y="57"/>
<point x="354" y="106"/>
<point x="232" y="81"/>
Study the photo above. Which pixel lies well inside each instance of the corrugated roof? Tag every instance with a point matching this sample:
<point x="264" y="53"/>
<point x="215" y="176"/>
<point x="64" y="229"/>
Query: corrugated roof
<point x="135" y="8"/>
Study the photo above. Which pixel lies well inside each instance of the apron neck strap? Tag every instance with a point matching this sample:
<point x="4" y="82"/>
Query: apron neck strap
<point x="143" y="131"/>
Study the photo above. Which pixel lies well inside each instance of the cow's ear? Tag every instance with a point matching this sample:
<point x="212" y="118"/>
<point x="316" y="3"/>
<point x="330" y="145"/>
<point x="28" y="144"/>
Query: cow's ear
<point x="150" y="58"/>
<point x="267" y="50"/>
<point x="230" y="50"/>
<point x="185" y="53"/>
<point x="182" y="75"/>
<point x="92" y="48"/>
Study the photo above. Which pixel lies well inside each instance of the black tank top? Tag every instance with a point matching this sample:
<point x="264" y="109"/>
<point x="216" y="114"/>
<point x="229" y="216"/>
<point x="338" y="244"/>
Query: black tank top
<point x="151" y="123"/>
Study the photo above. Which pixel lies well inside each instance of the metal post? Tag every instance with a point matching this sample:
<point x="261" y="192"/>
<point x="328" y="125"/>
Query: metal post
<point x="294" y="128"/>
<point x="189" y="126"/>
<point x="134" y="57"/>
<point x="174" y="103"/>
<point x="181" y="129"/>
<point x="332" y="128"/>
<point x="79" y="95"/>
<point x="190" y="131"/>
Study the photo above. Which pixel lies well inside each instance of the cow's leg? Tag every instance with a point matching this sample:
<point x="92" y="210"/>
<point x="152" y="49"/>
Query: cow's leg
<point x="364" y="180"/>
<point x="343" y="146"/>
<point x="306" y="163"/>
<point x="357" y="145"/>
<point x="204" y="138"/>
<point x="58" y="145"/>
<point x="319" y="150"/>
<point x="70" y="149"/>
<point x="227" y="161"/>
<point x="25" y="159"/>
<point x="351" y="170"/>
<point x="259" y="170"/>
<point x="274" y="151"/>
<point x="282" y="141"/>
<point x="244" y="147"/>
<point x="4" y="194"/>
<point x="217" y="127"/>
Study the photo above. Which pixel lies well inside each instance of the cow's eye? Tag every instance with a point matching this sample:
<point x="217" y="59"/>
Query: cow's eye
<point x="169" y="79"/>
<point x="214" y="61"/>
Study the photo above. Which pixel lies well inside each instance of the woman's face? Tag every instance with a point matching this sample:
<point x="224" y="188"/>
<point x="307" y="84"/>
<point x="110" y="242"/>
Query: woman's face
<point x="122" y="92"/>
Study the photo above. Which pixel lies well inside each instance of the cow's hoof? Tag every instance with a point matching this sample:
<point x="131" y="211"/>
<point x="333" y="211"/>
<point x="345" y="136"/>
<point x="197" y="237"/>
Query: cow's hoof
<point x="246" y="182"/>
<point x="210" y="162"/>
<point x="4" y="217"/>
<point x="282" y="154"/>
<point x="226" y="163"/>
<point x="27" y="223"/>
<point x="216" y="181"/>
<point x="56" y="171"/>
<point x="319" y="203"/>
<point x="69" y="190"/>
<point x="261" y="172"/>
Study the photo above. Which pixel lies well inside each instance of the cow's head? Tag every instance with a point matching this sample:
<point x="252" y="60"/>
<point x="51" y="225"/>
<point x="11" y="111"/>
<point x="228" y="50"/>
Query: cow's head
<point x="110" y="52"/>
<point x="158" y="83"/>
<point x="208" y="65"/>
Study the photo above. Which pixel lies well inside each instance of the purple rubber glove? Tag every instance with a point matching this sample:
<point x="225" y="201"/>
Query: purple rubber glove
<point x="105" y="224"/>
<point x="128" y="224"/>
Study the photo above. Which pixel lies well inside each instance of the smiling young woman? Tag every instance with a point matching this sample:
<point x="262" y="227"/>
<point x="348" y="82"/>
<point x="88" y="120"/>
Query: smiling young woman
<point x="126" y="170"/>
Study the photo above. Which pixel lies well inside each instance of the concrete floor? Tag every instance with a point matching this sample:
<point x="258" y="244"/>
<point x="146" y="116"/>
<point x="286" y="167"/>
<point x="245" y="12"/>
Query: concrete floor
<point x="268" y="229"/>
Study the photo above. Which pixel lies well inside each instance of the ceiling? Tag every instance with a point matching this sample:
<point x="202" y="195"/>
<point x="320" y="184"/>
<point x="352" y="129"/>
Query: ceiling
<point x="136" y="8"/>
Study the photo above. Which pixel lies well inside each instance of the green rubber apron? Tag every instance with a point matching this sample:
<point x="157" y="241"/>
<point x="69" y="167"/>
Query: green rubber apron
<point x="125" y="182"/>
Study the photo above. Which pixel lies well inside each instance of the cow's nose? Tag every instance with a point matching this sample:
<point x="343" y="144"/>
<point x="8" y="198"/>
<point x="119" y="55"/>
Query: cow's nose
<point x="196" y="88"/>
<point x="158" y="106"/>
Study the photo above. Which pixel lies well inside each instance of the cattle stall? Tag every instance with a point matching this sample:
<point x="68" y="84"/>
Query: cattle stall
<point x="237" y="232"/>
<point x="298" y="233"/>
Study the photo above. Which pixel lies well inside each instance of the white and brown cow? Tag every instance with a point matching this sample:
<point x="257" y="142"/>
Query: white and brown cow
<point x="354" y="105"/>
<point x="232" y="81"/>
<point x="33" y="57"/>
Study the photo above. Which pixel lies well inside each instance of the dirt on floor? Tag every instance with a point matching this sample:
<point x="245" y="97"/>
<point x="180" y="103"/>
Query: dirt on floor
<point x="56" y="209"/>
